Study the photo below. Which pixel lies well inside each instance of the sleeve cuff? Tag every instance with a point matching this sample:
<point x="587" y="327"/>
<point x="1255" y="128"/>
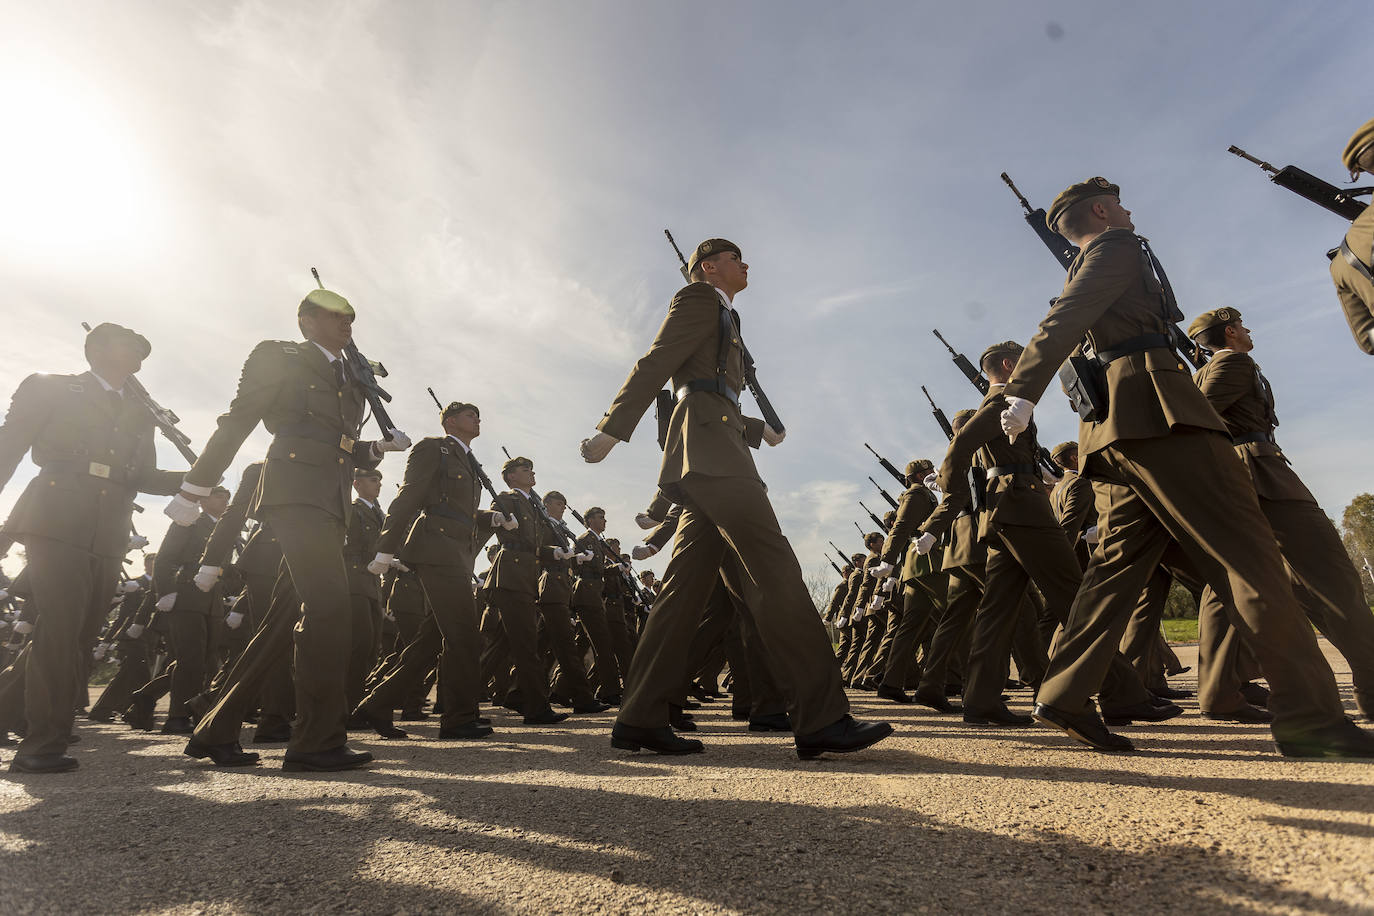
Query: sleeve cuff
<point x="194" y="489"/>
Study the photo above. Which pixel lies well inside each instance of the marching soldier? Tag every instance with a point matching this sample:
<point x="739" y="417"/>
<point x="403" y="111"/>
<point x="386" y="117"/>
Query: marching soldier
<point x="364" y="587"/>
<point x="555" y="599"/>
<point x="589" y="591"/>
<point x="1353" y="262"/>
<point x="708" y="469"/>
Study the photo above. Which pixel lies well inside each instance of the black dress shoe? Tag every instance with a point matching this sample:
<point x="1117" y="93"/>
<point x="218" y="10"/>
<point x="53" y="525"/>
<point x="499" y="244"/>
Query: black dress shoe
<point x="222" y="755"/>
<point x="482" y="720"/>
<point x="934" y="701"/>
<point x="868" y="684"/>
<point x="739" y="715"/>
<point x="612" y="699"/>
<point x="1345" y="739"/>
<point x="688" y="704"/>
<point x="701" y="694"/>
<point x="278" y="735"/>
<point x="1255" y="694"/>
<point x="177" y="725"/>
<point x="100" y="714"/>
<point x="1014" y="684"/>
<point x="1142" y="712"/>
<point x="546" y="717"/>
<point x="139" y="716"/>
<point x="895" y="694"/>
<point x="590" y="708"/>
<point x="1251" y="715"/>
<point x="6" y="740"/>
<point x="331" y="761"/>
<point x="1085" y="727"/>
<point x="953" y="690"/>
<point x="1169" y="693"/>
<point x="680" y="720"/>
<point x="659" y="740"/>
<point x="378" y="721"/>
<point x="470" y="731"/>
<point x="557" y="699"/>
<point x="413" y="715"/>
<point x="1177" y="671"/>
<point x="73" y="738"/>
<point x="42" y="763"/>
<point x="998" y="715"/>
<point x="843" y="736"/>
<point x="777" y="722"/>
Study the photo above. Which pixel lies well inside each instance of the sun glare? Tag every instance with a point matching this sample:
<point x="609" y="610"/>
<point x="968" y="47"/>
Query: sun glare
<point x="77" y="182"/>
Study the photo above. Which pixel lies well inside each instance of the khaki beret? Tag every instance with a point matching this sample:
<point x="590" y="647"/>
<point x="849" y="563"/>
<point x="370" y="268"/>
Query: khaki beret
<point x="1062" y="449"/>
<point x="708" y="248"/>
<point x="107" y="333"/>
<point x="594" y="510"/>
<point x="1005" y="348"/>
<point x="1358" y="143"/>
<point x="367" y="474"/>
<point x="457" y="407"/>
<point x="518" y="461"/>
<point x="1212" y="319"/>
<point x="554" y="494"/>
<point x="918" y="468"/>
<point x="324" y="299"/>
<point x="857" y="560"/>
<point x="874" y="536"/>
<point x="1084" y="190"/>
<point x="962" y="416"/>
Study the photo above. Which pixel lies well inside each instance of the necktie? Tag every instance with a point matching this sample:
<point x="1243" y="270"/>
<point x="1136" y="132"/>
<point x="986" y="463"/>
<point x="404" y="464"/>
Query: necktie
<point x="117" y="400"/>
<point x="340" y="373"/>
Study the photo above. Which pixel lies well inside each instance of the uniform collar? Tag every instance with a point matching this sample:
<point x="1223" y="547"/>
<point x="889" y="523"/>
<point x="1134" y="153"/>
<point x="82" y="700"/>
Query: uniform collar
<point x="467" y="450"/>
<point x="104" y="384"/>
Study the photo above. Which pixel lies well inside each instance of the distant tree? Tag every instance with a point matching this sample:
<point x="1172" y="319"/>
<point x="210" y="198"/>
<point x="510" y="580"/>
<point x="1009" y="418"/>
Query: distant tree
<point x="1358" y="534"/>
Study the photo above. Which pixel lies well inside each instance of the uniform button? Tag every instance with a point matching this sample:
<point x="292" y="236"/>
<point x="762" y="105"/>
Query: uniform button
<point x="725" y="419"/>
<point x="340" y="461"/>
<point x="291" y="455"/>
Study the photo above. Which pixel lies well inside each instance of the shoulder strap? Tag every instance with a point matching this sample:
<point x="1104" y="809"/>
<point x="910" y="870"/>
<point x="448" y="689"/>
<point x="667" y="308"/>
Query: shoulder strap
<point x="1354" y="261"/>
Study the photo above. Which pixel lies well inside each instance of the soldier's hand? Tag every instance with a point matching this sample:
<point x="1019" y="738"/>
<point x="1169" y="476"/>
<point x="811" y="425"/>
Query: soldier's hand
<point x="166" y="602"/>
<point x="888" y="585"/>
<point x="643" y="551"/>
<point x="841" y="621"/>
<point x="562" y="553"/>
<point x="399" y="566"/>
<point x="509" y="522"/>
<point x="380" y="563"/>
<point x="881" y="571"/>
<point x="183" y="509"/>
<point x="398" y="442"/>
<point x="772" y="436"/>
<point x="1017" y="417"/>
<point x="925" y="542"/>
<point x="875" y="602"/>
<point x="133" y="631"/>
<point x="206" y="577"/>
<point x="98" y="653"/>
<point x="597" y="447"/>
<point x="1091" y="534"/>
<point x="585" y="556"/>
<point x="129" y="587"/>
<point x="645" y="521"/>
<point x="233" y="620"/>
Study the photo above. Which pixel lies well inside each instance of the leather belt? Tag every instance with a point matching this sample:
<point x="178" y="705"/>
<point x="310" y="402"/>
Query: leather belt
<point x="1135" y="345"/>
<point x="317" y="433"/>
<point x="86" y="469"/>
<point x="444" y="511"/>
<point x="716" y="386"/>
<point x="1247" y="438"/>
<point x="1006" y="470"/>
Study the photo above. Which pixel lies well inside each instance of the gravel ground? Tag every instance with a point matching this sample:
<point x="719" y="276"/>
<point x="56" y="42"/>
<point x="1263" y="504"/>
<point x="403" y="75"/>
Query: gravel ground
<point x="941" y="817"/>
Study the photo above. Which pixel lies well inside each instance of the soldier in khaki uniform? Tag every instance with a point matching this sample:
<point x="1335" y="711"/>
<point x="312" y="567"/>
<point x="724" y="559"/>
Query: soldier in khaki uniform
<point x="93" y="445"/>
<point x="846" y="619"/>
<point x="1162" y="466"/>
<point x="305" y="395"/>
<point x="1330" y="590"/>
<point x="555" y="614"/>
<point x="364" y="587"/>
<point x="708" y="468"/>
<point x="1352" y="265"/>
<point x="589" y="590"/>
<point x="436" y="526"/>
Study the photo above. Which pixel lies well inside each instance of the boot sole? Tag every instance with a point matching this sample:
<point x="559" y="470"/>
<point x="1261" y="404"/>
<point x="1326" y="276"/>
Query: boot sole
<point x="627" y="745"/>
<point x="1078" y="736"/>
<point x="811" y="753"/>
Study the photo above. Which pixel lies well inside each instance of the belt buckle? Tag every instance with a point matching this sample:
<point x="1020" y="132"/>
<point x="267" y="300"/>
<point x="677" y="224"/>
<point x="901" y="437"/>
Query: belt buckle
<point x="99" y="470"/>
<point x="346" y="443"/>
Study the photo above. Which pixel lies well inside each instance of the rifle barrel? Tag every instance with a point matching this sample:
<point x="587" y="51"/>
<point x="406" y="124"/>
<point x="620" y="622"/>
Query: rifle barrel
<point x="1017" y="191"/>
<point x="1236" y="150"/>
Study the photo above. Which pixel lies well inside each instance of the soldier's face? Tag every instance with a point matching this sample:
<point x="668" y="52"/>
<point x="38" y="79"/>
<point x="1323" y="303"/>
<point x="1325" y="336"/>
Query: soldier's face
<point x="521" y="477"/>
<point x="1238" y="338"/>
<point x="214" y="504"/>
<point x="730" y="273"/>
<point x="597" y="523"/>
<point x="331" y="330"/>
<point x="555" y="507"/>
<point x="369" y="488"/>
<point x="465" y="424"/>
<point x="1118" y="217"/>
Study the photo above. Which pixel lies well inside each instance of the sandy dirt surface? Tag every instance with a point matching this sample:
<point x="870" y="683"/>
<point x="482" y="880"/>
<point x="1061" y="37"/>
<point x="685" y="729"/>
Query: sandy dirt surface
<point x="1204" y="817"/>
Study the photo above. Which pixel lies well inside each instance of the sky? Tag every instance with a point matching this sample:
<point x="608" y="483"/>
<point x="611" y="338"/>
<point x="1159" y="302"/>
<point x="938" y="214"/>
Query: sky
<point x="488" y="184"/>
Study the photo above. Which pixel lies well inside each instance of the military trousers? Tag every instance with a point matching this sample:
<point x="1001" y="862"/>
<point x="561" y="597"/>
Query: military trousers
<point x="571" y="680"/>
<point x="366" y="627"/>
<point x="135" y="670"/>
<point x="948" y="643"/>
<point x="605" y="672"/>
<point x="518" y="641"/>
<point x="923" y="601"/>
<point x="1190" y="487"/>
<point x="858" y="638"/>
<point x="733" y="515"/>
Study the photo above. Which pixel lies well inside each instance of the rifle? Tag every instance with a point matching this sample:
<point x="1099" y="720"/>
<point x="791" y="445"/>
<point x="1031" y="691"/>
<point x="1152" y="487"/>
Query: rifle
<point x="365" y="372"/>
<point x="1063" y="250"/>
<point x="887" y="466"/>
<point x="165" y="421"/>
<point x="877" y="521"/>
<point x="629" y="579"/>
<point x="751" y="378"/>
<point x="834" y="567"/>
<point x="1043" y="455"/>
<point x="560" y="529"/>
<point x="1310" y="187"/>
<point x="886" y="495"/>
<point x="939" y="415"/>
<point x="847" y="561"/>
<point x="482" y="477"/>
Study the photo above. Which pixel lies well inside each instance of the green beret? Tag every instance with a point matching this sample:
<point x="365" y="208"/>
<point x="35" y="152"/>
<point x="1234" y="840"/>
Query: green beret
<point x="107" y="333"/>
<point x="367" y="474"/>
<point x="962" y="416"/>
<point x="1084" y="190"/>
<point x="708" y="248"/>
<point x="1005" y="348"/>
<point x="1358" y="143"/>
<point x="324" y="299"/>
<point x="1062" y="449"/>
<point x="457" y="407"/>
<point x="516" y="462"/>
<point x="1212" y="319"/>
<point x="918" y="468"/>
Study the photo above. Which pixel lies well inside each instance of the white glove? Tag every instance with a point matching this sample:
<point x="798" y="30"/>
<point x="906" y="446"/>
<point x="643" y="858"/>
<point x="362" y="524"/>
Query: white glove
<point x="585" y="556"/>
<point x="772" y="436"/>
<point x="1047" y="478"/>
<point x="888" y="585"/>
<point x="128" y="588"/>
<point x="881" y="571"/>
<point x="23" y="627"/>
<point x="925" y="542"/>
<point x="380" y="563"/>
<point x="644" y="522"/>
<point x="875" y="602"/>
<point x="1017" y="417"/>
<point x="644" y="551"/>
<point x="841" y="621"/>
<point x="182" y="510"/>
<point x="166" y="602"/>
<point x="206" y="577"/>
<point x="99" y="652"/>
<point x="399" y="566"/>
<point x="509" y="522"/>
<point x="133" y="631"/>
<point x="597" y="447"/>
<point x="398" y="442"/>
<point x="1091" y="535"/>
<point x="560" y="553"/>
<point x="932" y="481"/>
<point x="137" y="542"/>
<point x="233" y="619"/>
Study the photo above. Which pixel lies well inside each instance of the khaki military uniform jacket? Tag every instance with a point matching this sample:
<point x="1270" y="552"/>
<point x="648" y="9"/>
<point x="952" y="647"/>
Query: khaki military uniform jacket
<point x="707" y="432"/>
<point x="225" y="535"/>
<point x="1354" y="291"/>
<point x="555" y="576"/>
<point x="178" y="560"/>
<point x="1234" y="386"/>
<point x="1111" y="296"/>
<point x="591" y="575"/>
<point x="292" y="389"/>
<point x="1074" y="505"/>
<point x="851" y="598"/>
<point x="94" y="456"/>
<point x="360" y="546"/>
<point x="913" y="508"/>
<point x="434" y="519"/>
<point x="837" y="600"/>
<point x="517" y="565"/>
